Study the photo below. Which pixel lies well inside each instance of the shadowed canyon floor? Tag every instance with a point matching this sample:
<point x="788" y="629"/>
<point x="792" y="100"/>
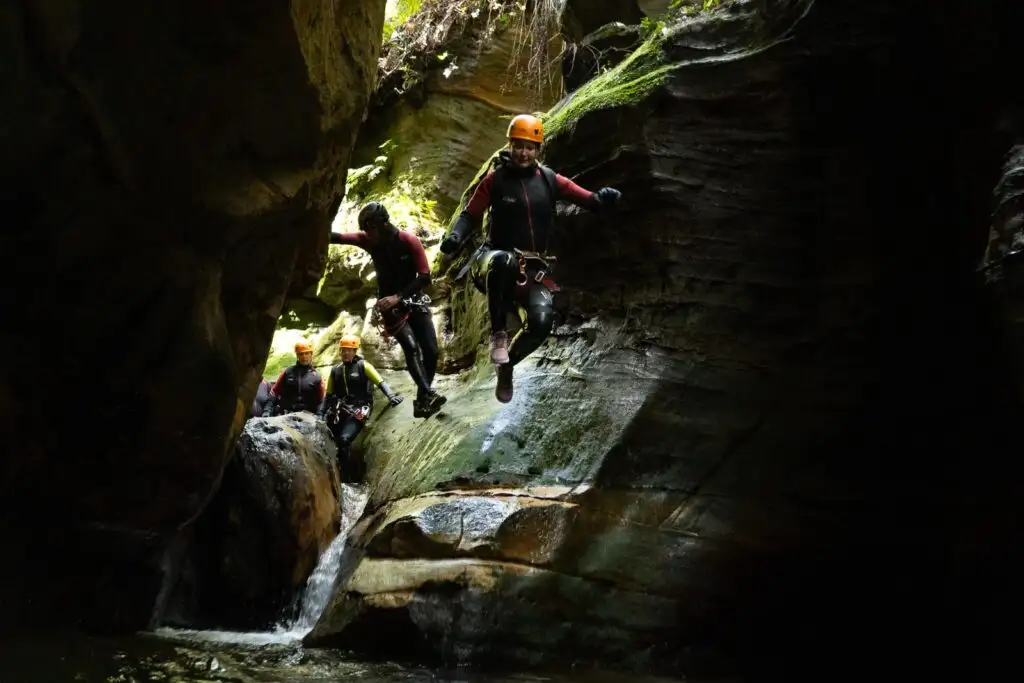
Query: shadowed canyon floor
<point x="200" y="659"/>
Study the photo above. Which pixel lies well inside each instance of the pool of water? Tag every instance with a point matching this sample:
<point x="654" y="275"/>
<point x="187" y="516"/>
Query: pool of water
<point x="210" y="657"/>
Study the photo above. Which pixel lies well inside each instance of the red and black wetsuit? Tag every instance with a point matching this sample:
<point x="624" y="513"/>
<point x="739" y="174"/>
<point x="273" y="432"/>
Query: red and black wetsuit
<point x="399" y="260"/>
<point x="298" y="387"/>
<point x="522" y="206"/>
<point x="402" y="269"/>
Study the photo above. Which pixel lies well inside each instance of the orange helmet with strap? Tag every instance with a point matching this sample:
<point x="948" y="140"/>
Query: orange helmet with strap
<point x="349" y="341"/>
<point x="303" y="347"/>
<point x="526" y="127"/>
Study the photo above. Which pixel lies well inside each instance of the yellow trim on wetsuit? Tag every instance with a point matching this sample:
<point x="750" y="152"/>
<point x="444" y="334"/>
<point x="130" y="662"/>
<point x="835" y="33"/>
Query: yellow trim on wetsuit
<point x="369" y="370"/>
<point x="372" y="374"/>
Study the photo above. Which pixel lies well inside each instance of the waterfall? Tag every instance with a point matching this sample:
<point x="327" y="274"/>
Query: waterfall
<point x="317" y="593"/>
<point x="321" y="583"/>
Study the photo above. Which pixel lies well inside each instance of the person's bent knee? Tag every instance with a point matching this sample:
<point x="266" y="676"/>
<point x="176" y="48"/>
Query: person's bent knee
<point x="540" y="320"/>
<point x="504" y="260"/>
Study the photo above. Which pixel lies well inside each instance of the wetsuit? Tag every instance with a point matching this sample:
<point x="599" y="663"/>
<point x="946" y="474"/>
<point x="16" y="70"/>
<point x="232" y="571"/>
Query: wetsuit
<point x="522" y="204"/>
<point x="262" y="396"/>
<point x="297" y="388"/>
<point x="350" y="389"/>
<point x="402" y="269"/>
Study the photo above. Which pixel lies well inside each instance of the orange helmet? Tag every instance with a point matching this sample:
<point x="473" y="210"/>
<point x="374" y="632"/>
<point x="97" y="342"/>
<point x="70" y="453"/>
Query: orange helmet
<point x="303" y="347"/>
<point x="526" y="127"/>
<point x="349" y="341"/>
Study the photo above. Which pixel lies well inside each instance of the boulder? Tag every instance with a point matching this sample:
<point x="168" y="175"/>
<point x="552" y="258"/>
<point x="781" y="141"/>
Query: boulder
<point x="278" y="508"/>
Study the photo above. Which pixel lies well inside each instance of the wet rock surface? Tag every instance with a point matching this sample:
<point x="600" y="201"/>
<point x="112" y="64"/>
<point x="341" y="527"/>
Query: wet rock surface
<point x="277" y="510"/>
<point x="751" y="396"/>
<point x="171" y="173"/>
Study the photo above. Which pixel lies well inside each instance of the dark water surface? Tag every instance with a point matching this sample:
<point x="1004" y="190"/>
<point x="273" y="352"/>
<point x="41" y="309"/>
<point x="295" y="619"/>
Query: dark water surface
<point x="234" y="658"/>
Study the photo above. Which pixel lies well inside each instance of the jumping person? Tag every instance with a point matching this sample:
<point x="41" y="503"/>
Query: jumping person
<point x="513" y="266"/>
<point x="402" y="275"/>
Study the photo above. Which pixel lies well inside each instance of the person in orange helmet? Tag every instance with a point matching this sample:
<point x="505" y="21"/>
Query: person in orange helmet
<point x="513" y="267"/>
<point x="349" y="400"/>
<point x="298" y="387"/>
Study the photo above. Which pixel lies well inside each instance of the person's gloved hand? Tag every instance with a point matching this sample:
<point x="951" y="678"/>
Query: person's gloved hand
<point x="395" y="400"/>
<point x="451" y="244"/>
<point x="607" y="197"/>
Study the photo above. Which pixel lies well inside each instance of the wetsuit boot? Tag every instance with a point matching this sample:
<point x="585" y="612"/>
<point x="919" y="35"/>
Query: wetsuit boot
<point x="503" y="390"/>
<point x="427" y="403"/>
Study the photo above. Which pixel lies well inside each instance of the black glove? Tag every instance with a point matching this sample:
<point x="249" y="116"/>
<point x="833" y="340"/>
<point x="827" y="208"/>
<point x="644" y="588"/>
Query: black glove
<point x="607" y="197"/>
<point x="450" y="245"/>
<point x="393" y="398"/>
<point x="454" y="240"/>
<point x="268" y="409"/>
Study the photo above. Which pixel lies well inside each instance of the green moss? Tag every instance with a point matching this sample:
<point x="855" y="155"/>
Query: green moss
<point x="628" y="83"/>
<point x="396" y="13"/>
<point x="408" y="195"/>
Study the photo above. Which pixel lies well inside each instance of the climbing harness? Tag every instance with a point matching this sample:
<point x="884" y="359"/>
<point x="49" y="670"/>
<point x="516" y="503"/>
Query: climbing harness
<point x="535" y="267"/>
<point x="358" y="411"/>
<point x="405" y="306"/>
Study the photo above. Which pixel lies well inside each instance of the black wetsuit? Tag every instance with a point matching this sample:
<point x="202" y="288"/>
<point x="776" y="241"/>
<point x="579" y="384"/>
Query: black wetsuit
<point x="350" y="388"/>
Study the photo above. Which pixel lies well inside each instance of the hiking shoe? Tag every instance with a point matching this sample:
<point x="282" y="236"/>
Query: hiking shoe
<point x="433" y="402"/>
<point x="499" y="348"/>
<point x="428" y="405"/>
<point x="503" y="391"/>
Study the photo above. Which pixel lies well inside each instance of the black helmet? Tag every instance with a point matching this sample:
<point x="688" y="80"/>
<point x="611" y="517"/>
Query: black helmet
<point x="373" y="215"/>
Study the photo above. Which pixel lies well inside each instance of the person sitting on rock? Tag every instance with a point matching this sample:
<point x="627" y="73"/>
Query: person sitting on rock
<point x="298" y="387"/>
<point x="402" y="275"/>
<point x="512" y="267"/>
<point x="349" y="398"/>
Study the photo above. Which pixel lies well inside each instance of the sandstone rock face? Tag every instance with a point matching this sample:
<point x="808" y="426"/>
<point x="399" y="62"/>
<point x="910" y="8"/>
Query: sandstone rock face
<point x="277" y="510"/>
<point x="778" y="401"/>
<point x="171" y="172"/>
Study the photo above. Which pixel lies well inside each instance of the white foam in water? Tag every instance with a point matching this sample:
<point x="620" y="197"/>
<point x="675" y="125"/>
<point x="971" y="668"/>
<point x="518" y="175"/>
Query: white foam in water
<point x="317" y="593"/>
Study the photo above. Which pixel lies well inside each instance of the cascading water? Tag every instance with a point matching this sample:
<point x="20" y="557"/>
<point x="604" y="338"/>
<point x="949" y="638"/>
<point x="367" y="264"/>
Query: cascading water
<point x="321" y="583"/>
<point x="318" y="591"/>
